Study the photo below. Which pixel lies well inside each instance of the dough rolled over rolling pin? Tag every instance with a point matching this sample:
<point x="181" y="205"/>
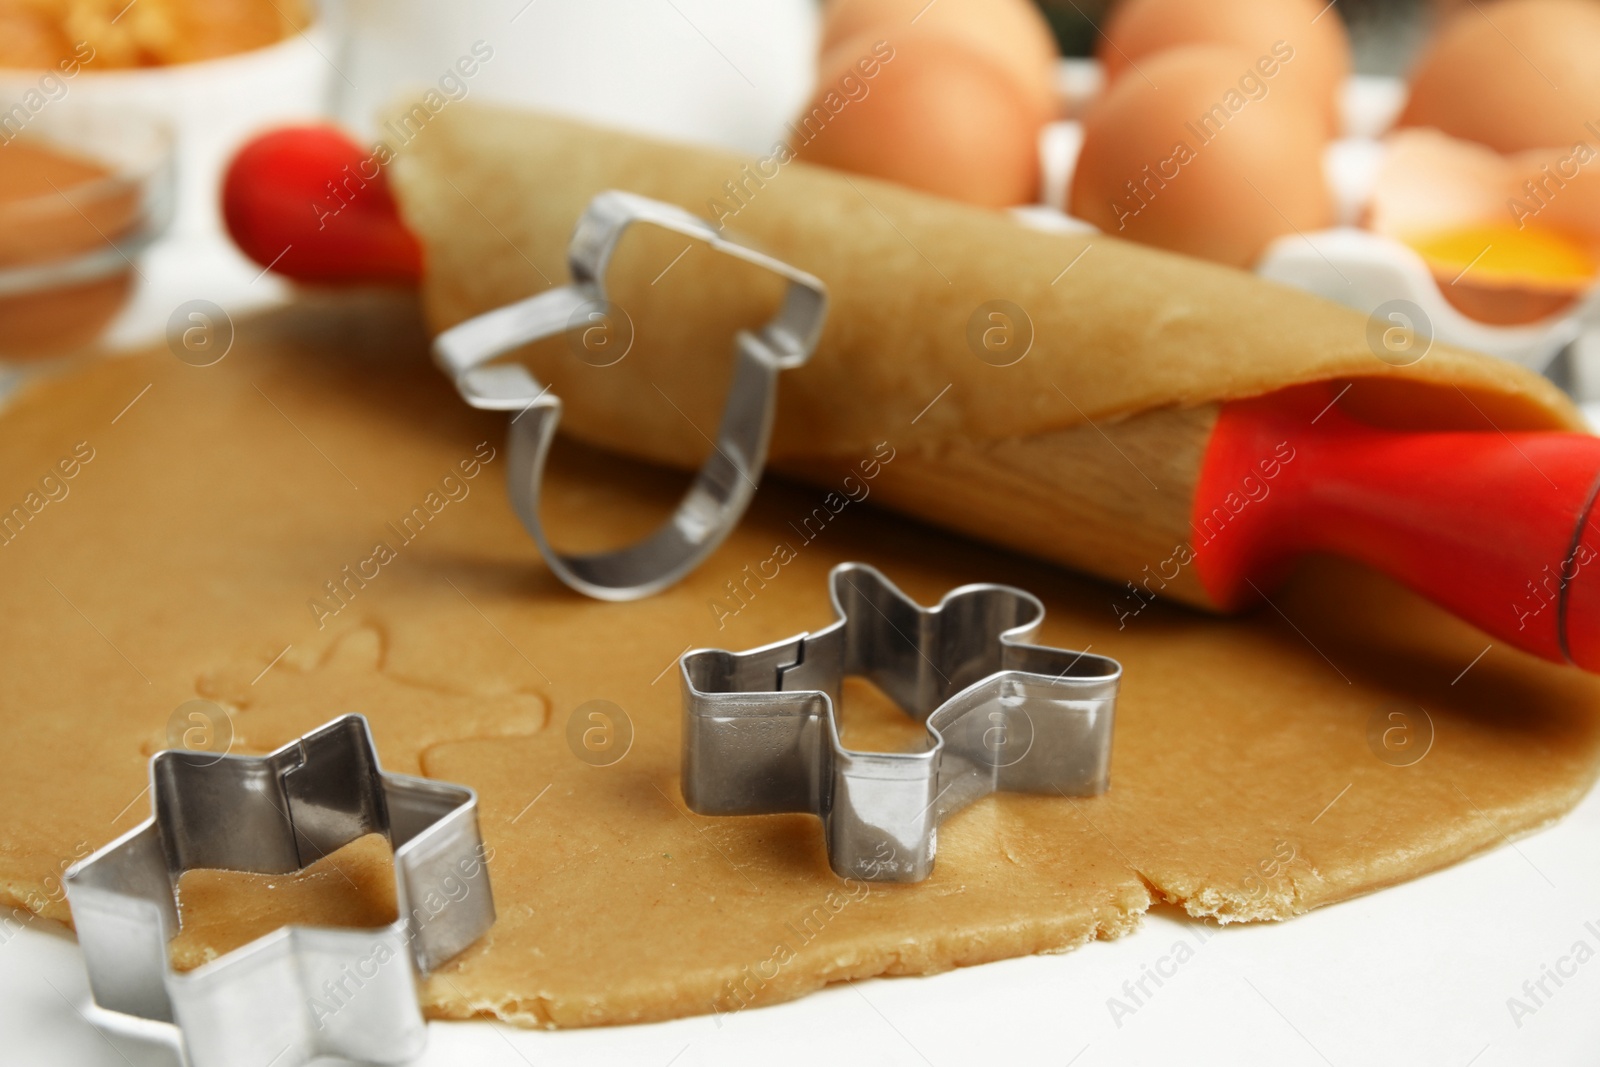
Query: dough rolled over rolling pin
<point x="1177" y="428"/>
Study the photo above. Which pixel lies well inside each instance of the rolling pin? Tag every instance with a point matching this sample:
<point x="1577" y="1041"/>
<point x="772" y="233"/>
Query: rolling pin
<point x="1210" y="503"/>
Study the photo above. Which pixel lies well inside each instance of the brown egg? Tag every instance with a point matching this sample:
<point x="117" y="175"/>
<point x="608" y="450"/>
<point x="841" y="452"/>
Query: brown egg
<point x="1012" y="33"/>
<point x="1514" y="75"/>
<point x="934" y="114"/>
<point x="1215" y="162"/>
<point x="1306" y="37"/>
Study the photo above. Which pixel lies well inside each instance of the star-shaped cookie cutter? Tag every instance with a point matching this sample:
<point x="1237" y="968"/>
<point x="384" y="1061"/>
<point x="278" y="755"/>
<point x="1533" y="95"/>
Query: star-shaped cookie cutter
<point x="298" y="992"/>
<point x="760" y="734"/>
<point x="725" y="484"/>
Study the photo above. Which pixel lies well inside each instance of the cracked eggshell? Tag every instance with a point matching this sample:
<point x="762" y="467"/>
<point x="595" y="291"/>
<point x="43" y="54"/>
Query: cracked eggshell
<point x="1510" y="239"/>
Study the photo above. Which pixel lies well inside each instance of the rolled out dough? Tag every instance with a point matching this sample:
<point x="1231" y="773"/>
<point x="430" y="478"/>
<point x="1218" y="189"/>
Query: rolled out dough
<point x="182" y="558"/>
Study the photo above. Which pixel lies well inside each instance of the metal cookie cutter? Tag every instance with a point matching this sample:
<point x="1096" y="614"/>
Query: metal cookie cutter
<point x="298" y="992"/>
<point x="760" y="734"/>
<point x="723" y="488"/>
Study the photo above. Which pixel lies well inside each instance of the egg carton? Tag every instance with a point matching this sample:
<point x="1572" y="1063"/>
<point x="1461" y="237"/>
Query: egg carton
<point x="1345" y="263"/>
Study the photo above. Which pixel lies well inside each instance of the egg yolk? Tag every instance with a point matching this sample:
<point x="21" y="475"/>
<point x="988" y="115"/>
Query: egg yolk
<point x="1502" y="255"/>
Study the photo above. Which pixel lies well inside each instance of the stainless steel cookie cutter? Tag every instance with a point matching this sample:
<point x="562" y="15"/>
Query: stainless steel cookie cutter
<point x="298" y="992"/>
<point x="725" y="484"/>
<point x="760" y="734"/>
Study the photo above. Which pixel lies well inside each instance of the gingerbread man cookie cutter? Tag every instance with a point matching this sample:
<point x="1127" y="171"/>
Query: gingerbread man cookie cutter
<point x="761" y="735"/>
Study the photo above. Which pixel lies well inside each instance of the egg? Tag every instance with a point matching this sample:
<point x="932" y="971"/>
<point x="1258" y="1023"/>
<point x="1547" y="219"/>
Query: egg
<point x="1011" y="33"/>
<point x="1513" y="75"/>
<point x="932" y="113"/>
<point x="1209" y="157"/>
<point x="1306" y="37"/>
<point x="1509" y="239"/>
<point x="1505" y="276"/>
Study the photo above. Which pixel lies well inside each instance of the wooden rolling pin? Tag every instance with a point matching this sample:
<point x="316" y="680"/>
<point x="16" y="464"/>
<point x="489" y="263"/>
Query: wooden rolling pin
<point x="1208" y="503"/>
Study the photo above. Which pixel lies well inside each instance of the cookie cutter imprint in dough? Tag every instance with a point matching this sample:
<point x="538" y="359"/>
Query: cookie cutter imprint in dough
<point x="761" y="736"/>
<point x="726" y="482"/>
<point x="298" y="992"/>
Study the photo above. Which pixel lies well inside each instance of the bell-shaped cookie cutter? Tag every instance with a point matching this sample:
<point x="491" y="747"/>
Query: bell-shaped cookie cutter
<point x="760" y="733"/>
<point x="725" y="483"/>
<point x="298" y="992"/>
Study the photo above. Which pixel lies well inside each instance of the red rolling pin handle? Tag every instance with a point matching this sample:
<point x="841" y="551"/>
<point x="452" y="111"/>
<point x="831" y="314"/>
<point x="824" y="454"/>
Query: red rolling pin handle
<point x="312" y="204"/>
<point x="1495" y="527"/>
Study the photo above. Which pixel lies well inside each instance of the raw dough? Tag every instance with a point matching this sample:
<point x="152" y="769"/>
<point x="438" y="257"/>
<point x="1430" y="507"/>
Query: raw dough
<point x="494" y="194"/>
<point x="180" y="562"/>
<point x="1138" y="342"/>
